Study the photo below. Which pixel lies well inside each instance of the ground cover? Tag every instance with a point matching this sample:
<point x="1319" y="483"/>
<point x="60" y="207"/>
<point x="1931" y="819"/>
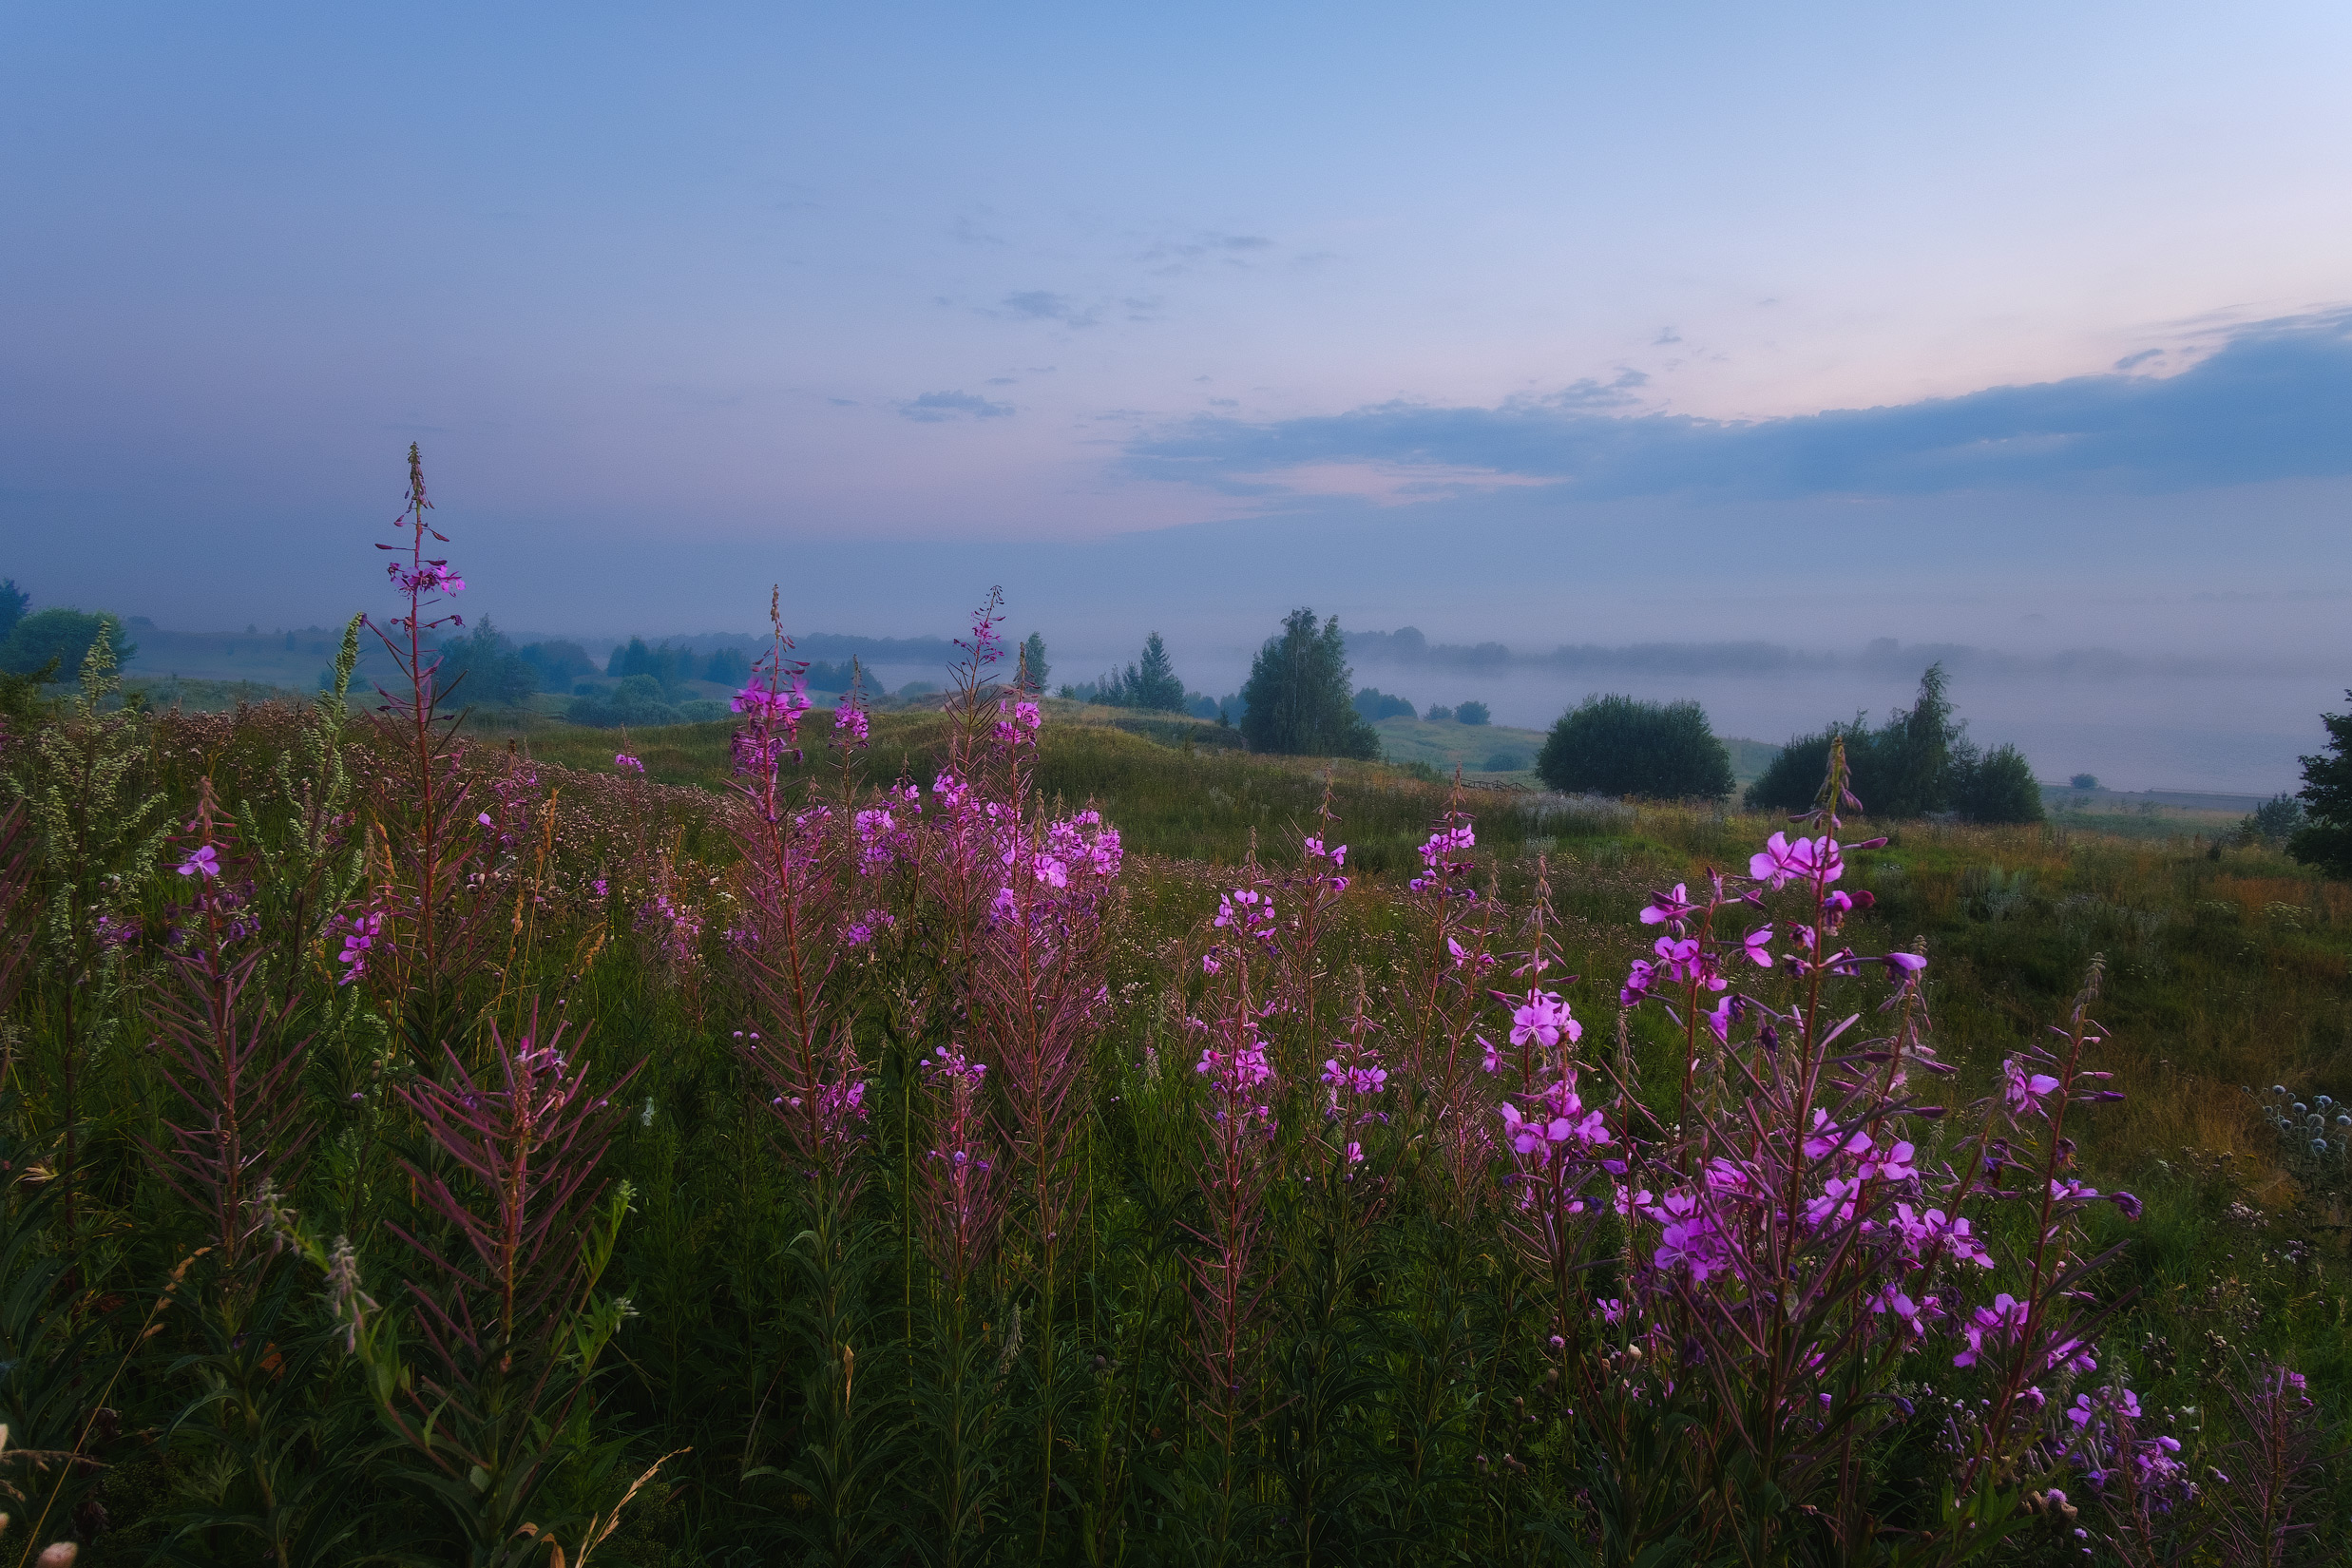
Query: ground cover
<point x="976" y="1134"/>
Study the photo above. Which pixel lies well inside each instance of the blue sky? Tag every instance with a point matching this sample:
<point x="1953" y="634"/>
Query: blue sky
<point x="1553" y="322"/>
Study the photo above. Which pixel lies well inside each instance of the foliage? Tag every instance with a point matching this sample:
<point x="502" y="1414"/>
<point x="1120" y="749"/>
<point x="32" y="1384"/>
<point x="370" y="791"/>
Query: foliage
<point x="636" y="700"/>
<point x="1150" y="684"/>
<point x="1376" y="706"/>
<point x="1034" y="669"/>
<point x="2325" y="839"/>
<point x="1472" y="713"/>
<point x="670" y="667"/>
<point x="484" y="667"/>
<point x="1298" y="695"/>
<point x="13" y="602"/>
<point x="62" y="636"/>
<point x="1992" y="786"/>
<point x="558" y="664"/>
<point x="2272" y="822"/>
<point x="1920" y="761"/>
<point x="1620" y="746"/>
<point x="2083" y="781"/>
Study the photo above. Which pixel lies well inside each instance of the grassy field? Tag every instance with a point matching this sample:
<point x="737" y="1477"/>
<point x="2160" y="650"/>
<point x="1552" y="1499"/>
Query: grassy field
<point x="621" y="900"/>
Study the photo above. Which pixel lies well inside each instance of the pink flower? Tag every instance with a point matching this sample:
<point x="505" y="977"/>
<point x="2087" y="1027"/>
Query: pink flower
<point x="1638" y="982"/>
<point x="2022" y="1090"/>
<point x="1543" y="1018"/>
<point x="622" y="759"/>
<point x="1758" y="946"/>
<point x="1665" y="907"/>
<point x="1828" y="1137"/>
<point x="1889" y="1165"/>
<point x="203" y="861"/>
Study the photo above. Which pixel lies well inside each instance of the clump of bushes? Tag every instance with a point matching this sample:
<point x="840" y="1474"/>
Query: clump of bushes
<point x="1918" y="763"/>
<point x="1623" y="746"/>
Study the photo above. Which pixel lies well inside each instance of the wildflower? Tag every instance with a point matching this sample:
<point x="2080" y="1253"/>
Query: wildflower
<point x="1890" y="1166"/>
<point x="203" y="861"/>
<point x="1757" y="947"/>
<point x="1543" y="1018"/>
<point x="1902" y="967"/>
<point x="1828" y="1137"/>
<point x="1668" y="909"/>
<point x="2024" y="1090"/>
<point x="2005" y="1316"/>
<point x="1637" y="983"/>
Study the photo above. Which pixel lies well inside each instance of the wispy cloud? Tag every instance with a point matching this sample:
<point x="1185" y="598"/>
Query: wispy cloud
<point x="2274" y="401"/>
<point x="1044" y="305"/>
<point x="938" y="406"/>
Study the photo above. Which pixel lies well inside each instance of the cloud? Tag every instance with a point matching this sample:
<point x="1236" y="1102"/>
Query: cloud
<point x="2274" y="401"/>
<point x="2132" y="361"/>
<point x="1042" y="305"/>
<point x="934" y="408"/>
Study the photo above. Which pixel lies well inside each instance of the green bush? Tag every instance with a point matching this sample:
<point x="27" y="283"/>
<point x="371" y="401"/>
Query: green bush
<point x="63" y="635"/>
<point x="1621" y="746"/>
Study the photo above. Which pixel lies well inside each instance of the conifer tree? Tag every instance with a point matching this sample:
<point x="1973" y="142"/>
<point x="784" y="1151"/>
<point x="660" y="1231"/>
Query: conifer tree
<point x="1298" y="695"/>
<point x="2325" y="840"/>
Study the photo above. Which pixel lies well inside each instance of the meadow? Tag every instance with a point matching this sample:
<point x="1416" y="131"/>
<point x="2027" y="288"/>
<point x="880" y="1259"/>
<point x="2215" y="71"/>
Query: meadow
<point x="986" y="1135"/>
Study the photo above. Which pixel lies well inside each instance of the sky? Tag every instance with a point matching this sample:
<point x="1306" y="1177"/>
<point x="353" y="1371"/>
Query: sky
<point x="2023" y="326"/>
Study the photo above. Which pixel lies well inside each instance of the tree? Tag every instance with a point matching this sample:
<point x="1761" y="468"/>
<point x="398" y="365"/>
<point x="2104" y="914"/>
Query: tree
<point x="1152" y="683"/>
<point x="62" y="635"/>
<point x="558" y="664"/>
<point x="1473" y="713"/>
<point x="1919" y="760"/>
<point x="728" y="666"/>
<point x="2325" y="839"/>
<point x="2083" y="781"/>
<point x="13" y="603"/>
<point x="1375" y="705"/>
<point x="483" y="668"/>
<point x="1033" y="666"/>
<point x="1298" y="695"/>
<point x="1618" y="746"/>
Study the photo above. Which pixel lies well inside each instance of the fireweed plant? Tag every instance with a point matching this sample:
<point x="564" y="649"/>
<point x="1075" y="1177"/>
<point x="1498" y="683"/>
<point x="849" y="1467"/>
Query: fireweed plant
<point x="409" y="1141"/>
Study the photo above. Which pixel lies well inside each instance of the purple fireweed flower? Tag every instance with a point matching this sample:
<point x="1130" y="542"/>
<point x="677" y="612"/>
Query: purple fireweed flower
<point x="1757" y="947"/>
<point x="1542" y="1018"/>
<point x="203" y="861"/>
<point x="853" y="719"/>
<point x="1890" y="1164"/>
<point x="1828" y="1137"/>
<point x="2023" y="1090"/>
<point x="1637" y="983"/>
<point x="622" y="759"/>
<point x="2004" y="1317"/>
<point x="1668" y="909"/>
<point x="1902" y="967"/>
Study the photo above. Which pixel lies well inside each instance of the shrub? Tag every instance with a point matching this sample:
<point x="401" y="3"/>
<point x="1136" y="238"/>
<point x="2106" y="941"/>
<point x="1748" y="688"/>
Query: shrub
<point x="1375" y="705"/>
<point x="1997" y="786"/>
<point x="1620" y="746"/>
<point x="1472" y="713"/>
<point x="62" y="635"/>
<point x="1919" y="760"/>
<point x="2083" y="781"/>
<point x="2272" y="822"/>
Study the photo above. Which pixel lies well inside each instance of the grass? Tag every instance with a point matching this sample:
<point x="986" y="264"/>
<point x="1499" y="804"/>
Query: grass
<point x="2228" y="967"/>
